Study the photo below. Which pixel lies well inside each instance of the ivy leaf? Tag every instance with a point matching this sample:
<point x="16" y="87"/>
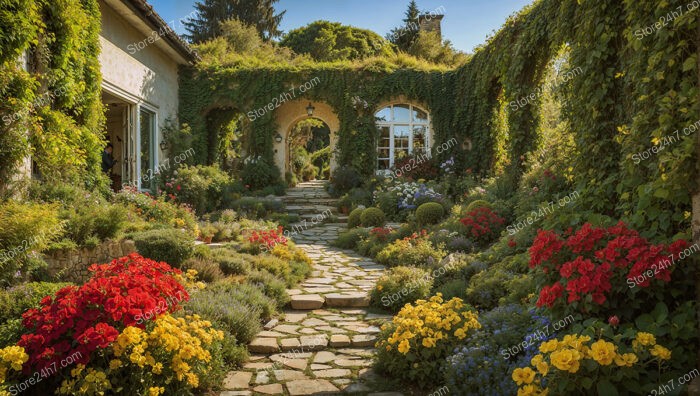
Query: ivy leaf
<point x="689" y="63"/>
<point x="606" y="388"/>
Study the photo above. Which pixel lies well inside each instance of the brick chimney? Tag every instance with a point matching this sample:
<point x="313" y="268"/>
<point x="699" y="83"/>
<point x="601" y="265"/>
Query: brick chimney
<point x="431" y="22"/>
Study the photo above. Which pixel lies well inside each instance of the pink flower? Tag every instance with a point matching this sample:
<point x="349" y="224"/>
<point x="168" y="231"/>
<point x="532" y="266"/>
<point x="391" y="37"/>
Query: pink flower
<point x="614" y="321"/>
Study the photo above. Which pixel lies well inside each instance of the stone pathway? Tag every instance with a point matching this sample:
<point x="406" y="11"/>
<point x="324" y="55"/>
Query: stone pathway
<point x="324" y="343"/>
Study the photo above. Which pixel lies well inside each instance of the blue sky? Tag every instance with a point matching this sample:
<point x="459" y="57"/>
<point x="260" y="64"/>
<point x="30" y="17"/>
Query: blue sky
<point x="466" y="23"/>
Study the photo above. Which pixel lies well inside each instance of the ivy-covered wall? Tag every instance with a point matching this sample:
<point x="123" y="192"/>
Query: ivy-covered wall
<point x="52" y="110"/>
<point x="631" y="89"/>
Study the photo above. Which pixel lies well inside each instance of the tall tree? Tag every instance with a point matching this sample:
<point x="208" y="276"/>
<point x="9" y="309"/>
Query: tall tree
<point x="404" y="36"/>
<point x="212" y="13"/>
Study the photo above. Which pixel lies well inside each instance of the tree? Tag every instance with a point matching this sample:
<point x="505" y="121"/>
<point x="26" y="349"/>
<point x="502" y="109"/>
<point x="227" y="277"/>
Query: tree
<point x="429" y="46"/>
<point x="405" y="35"/>
<point x="330" y="41"/>
<point x="212" y="13"/>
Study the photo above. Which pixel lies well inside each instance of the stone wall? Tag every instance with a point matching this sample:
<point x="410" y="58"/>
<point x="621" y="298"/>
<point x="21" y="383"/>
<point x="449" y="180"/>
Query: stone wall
<point x="71" y="265"/>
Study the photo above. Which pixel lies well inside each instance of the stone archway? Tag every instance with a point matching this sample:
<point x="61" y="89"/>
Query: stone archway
<point x="289" y="114"/>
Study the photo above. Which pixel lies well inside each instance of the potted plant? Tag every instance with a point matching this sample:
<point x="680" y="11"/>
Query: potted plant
<point x="206" y="232"/>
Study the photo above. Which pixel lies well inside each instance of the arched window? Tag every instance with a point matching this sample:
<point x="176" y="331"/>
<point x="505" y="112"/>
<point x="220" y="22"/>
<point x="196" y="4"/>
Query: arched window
<point x="403" y="129"/>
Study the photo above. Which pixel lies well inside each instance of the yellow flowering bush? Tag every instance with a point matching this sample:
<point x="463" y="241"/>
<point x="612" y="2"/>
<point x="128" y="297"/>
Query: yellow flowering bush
<point x="576" y="362"/>
<point x="11" y="358"/>
<point x="415" y="344"/>
<point x="169" y="358"/>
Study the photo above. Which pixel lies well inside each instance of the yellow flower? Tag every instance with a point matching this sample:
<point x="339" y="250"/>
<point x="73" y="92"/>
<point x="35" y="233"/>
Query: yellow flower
<point x="428" y="342"/>
<point x="661" y="352"/>
<point x="542" y="368"/>
<point x="115" y="364"/>
<point x="530" y="390"/>
<point x="404" y="347"/>
<point x="603" y="352"/>
<point x="549" y="346"/>
<point x="566" y="360"/>
<point x="155" y="391"/>
<point x="380" y="287"/>
<point x="523" y="376"/>
<point x="645" y="339"/>
<point x="459" y="333"/>
<point x="537" y="359"/>
<point x="626" y="359"/>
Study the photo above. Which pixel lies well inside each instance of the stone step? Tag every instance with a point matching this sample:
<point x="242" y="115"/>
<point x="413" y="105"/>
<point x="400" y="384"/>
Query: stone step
<point x="347" y="299"/>
<point x="307" y="301"/>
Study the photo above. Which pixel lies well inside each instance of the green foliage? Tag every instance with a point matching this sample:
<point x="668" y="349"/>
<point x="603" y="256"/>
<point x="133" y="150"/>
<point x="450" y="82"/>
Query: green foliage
<point x="330" y="41"/>
<point x="400" y="286"/>
<point x="416" y="252"/>
<point x="17" y="299"/>
<point x="372" y="217"/>
<point x="168" y="245"/>
<point x="478" y="204"/>
<point x="232" y="262"/>
<point x="259" y="172"/>
<point x="57" y="103"/>
<point x="429" y="46"/>
<point x="200" y="186"/>
<point x="344" y="179"/>
<point x="429" y="213"/>
<point x="207" y="268"/>
<point x="355" y="218"/>
<point x="237" y="309"/>
<point x="212" y="14"/>
<point x="257" y="208"/>
<point x="404" y="36"/>
<point x="27" y="228"/>
<point x="350" y="238"/>
<point x="271" y="285"/>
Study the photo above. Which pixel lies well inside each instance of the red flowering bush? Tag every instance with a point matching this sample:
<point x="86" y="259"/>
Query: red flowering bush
<point x="267" y="239"/>
<point x="77" y="321"/>
<point x="380" y="233"/>
<point x="483" y="225"/>
<point x="592" y="269"/>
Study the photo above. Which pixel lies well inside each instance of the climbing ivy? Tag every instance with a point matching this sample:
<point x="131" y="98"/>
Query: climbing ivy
<point x="626" y="93"/>
<point x="52" y="110"/>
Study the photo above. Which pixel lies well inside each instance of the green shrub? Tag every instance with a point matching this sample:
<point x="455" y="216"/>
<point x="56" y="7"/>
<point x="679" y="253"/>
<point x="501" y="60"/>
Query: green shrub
<point x="488" y="287"/>
<point x="354" y="218"/>
<point x="93" y="220"/>
<point x="17" y="299"/>
<point x="199" y="186"/>
<point x="343" y="180"/>
<point x="355" y="197"/>
<point x="274" y="265"/>
<point x="258" y="173"/>
<point x="233" y="353"/>
<point x="350" y="238"/>
<point x="232" y="262"/>
<point x="418" y="252"/>
<point x="24" y="228"/>
<point x="271" y="285"/>
<point x="479" y="203"/>
<point x="429" y="213"/>
<point x="372" y="217"/>
<point x="11" y="332"/>
<point x="399" y="286"/>
<point x="453" y="288"/>
<point x="257" y="208"/>
<point x="202" y="251"/>
<point x="169" y="245"/>
<point x="387" y="201"/>
<point x="284" y="219"/>
<point x="237" y="309"/>
<point x="207" y="269"/>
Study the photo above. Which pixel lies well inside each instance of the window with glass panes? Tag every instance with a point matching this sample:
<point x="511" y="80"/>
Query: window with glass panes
<point x="403" y="129"/>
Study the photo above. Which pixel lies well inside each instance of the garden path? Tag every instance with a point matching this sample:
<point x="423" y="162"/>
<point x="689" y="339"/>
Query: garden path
<point x="324" y="344"/>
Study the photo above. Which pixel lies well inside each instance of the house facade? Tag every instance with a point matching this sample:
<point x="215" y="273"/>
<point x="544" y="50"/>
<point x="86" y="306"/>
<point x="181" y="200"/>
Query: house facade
<point x="140" y="57"/>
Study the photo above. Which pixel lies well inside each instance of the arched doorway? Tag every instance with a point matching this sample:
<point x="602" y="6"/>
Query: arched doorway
<point x="292" y="113"/>
<point x="308" y="150"/>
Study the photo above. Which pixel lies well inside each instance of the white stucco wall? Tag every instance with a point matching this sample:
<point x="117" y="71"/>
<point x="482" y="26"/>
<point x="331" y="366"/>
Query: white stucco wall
<point x="145" y="76"/>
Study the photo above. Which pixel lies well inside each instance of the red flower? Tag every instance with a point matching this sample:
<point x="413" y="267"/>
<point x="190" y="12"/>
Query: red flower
<point x="614" y="321"/>
<point x="549" y="295"/>
<point x="91" y="316"/>
<point x="512" y="243"/>
<point x="483" y="224"/>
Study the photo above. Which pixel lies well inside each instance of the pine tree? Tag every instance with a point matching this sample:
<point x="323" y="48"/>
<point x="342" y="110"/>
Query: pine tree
<point x="405" y="35"/>
<point x="211" y="13"/>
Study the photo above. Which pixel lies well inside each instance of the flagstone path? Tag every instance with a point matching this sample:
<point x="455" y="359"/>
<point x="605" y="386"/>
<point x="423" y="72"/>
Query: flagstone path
<point x="324" y="344"/>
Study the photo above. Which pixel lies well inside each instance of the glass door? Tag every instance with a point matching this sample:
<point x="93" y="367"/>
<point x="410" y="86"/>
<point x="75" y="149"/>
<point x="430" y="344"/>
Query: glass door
<point x="147" y="148"/>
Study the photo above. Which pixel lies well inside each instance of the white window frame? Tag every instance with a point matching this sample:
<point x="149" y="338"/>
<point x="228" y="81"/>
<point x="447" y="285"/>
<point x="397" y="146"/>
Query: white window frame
<point x="411" y="124"/>
<point x="154" y="143"/>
